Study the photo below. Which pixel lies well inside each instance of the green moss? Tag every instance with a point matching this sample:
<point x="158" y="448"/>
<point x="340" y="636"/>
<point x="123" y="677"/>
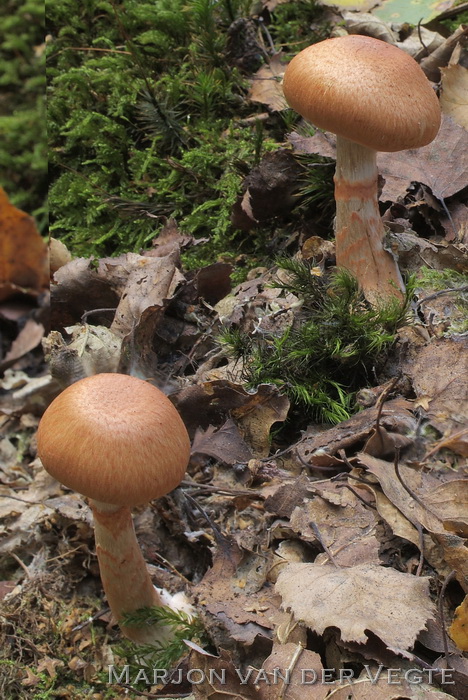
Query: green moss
<point x="329" y="352"/>
<point x="23" y="149"/>
<point x="144" y="114"/>
<point x="456" y="285"/>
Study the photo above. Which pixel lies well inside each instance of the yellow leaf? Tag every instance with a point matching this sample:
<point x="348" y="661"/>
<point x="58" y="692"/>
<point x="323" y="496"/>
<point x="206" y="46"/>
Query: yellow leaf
<point x="458" y="630"/>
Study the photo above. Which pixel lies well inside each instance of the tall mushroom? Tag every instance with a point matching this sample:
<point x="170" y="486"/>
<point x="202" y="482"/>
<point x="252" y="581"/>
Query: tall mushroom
<point x="374" y="97"/>
<point x="119" y="441"/>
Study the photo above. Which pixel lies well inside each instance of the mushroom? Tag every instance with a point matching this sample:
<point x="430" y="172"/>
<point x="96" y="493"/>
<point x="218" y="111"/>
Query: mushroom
<point x="119" y="441"/>
<point x="374" y="97"/>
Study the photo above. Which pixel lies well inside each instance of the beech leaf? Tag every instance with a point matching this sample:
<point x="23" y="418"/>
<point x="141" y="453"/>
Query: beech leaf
<point x="393" y="605"/>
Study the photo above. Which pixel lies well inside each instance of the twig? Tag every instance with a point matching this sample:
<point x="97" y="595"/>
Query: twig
<point x="440" y="605"/>
<point x="421" y="548"/>
<point x="380" y="405"/>
<point x="358" y="496"/>
<point x="222" y="490"/>
<point x="218" y="535"/>
<point x="22" y="564"/>
<point x="449" y="290"/>
<point x="320" y="539"/>
<point x="421" y="39"/>
<point x="445" y="441"/>
<point x="90" y="620"/>
<point x="413" y="495"/>
<point x="291" y="666"/>
<point x="95" y="311"/>
<point x="162" y="694"/>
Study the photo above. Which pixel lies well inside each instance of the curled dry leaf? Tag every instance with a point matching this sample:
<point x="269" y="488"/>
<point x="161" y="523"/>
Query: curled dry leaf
<point x="150" y="283"/>
<point x="454" y="97"/>
<point x="24" y="265"/>
<point x="226" y="444"/>
<point x="265" y="85"/>
<point x="392" y="605"/>
<point x="90" y="350"/>
<point x="27" y="339"/>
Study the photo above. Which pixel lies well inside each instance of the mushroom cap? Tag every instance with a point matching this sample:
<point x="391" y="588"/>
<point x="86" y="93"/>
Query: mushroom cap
<point x="114" y="438"/>
<point x="365" y="90"/>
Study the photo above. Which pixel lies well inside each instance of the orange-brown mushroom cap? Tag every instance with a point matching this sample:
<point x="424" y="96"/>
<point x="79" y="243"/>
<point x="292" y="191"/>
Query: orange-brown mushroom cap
<point x="365" y="90"/>
<point x="115" y="439"/>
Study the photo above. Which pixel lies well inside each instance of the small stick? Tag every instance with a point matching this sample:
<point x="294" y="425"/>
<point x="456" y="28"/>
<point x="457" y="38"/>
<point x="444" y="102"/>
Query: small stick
<point x="440" y="605"/>
<point x="413" y="495"/>
<point x="320" y="539"/>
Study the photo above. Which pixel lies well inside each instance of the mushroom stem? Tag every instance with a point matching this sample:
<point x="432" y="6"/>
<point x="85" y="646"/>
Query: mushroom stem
<point x="359" y="229"/>
<point x="124" y="575"/>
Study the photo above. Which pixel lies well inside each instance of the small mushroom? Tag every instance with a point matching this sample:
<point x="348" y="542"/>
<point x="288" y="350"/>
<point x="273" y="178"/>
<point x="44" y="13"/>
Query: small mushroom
<point x="374" y="97"/>
<point x="119" y="441"/>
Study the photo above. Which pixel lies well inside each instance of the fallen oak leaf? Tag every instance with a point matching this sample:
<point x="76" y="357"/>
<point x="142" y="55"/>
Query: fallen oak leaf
<point x="393" y="605"/>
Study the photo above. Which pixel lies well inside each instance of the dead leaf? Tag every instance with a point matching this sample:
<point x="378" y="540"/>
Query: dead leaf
<point x="348" y="530"/>
<point x="255" y="419"/>
<point x="265" y="85"/>
<point x="361" y="5"/>
<point x="299" y="666"/>
<point x="220" y="679"/>
<point x="214" y="282"/>
<point x="50" y="665"/>
<point x="27" y="339"/>
<point x="442" y="165"/>
<point x="396" y="418"/>
<point x="151" y="282"/>
<point x="268" y="191"/>
<point x="440" y="377"/>
<point x="454" y="96"/>
<point x="458" y="630"/>
<point x="24" y="263"/>
<point x="236" y="608"/>
<point x="90" y="350"/>
<point x="79" y="288"/>
<point x="392" y="605"/>
<point x="369" y="25"/>
<point x="59" y="255"/>
<point x="225" y="444"/>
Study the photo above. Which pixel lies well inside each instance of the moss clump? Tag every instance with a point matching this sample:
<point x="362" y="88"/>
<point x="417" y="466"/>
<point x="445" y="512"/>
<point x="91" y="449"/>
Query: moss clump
<point x="23" y="142"/>
<point x="145" y="109"/>
<point x="330" y="351"/>
<point x="455" y="287"/>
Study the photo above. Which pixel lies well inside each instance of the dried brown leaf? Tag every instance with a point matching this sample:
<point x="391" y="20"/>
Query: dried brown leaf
<point x="225" y="444"/>
<point x="440" y="378"/>
<point x="442" y="165"/>
<point x="459" y="628"/>
<point x="454" y="96"/>
<point x="24" y="264"/>
<point x="347" y="530"/>
<point x="151" y="282"/>
<point x="392" y="605"/>
<point x="302" y="664"/>
<point x="265" y="85"/>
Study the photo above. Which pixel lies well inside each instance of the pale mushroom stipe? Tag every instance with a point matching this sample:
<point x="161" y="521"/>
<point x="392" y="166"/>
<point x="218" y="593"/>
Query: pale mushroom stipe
<point x="119" y="441"/>
<point x="374" y="97"/>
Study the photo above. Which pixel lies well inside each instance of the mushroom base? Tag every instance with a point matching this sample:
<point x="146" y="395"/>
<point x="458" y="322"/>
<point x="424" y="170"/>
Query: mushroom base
<point x="124" y="575"/>
<point x="359" y="229"/>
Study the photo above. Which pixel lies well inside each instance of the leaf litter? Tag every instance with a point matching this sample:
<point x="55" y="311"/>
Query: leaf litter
<point x="337" y="547"/>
